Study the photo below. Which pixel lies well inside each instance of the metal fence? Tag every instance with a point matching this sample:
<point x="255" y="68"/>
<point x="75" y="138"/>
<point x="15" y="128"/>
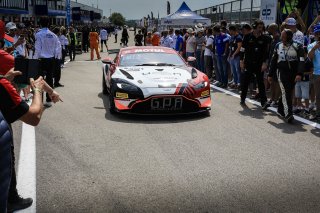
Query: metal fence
<point x="239" y="11"/>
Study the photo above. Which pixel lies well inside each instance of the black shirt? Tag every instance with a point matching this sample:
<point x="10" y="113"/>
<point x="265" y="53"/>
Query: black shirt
<point x="72" y="39"/>
<point x="11" y="104"/>
<point x="255" y="49"/>
<point x="234" y="44"/>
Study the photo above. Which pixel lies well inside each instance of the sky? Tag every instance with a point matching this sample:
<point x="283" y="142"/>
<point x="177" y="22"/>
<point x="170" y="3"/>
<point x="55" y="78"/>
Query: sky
<point x="136" y="9"/>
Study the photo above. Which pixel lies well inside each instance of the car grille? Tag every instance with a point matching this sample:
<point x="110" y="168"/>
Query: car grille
<point x="149" y="107"/>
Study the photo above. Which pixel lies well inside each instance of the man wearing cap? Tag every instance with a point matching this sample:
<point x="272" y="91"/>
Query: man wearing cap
<point x="314" y="55"/>
<point x="298" y="36"/>
<point x="9" y="45"/>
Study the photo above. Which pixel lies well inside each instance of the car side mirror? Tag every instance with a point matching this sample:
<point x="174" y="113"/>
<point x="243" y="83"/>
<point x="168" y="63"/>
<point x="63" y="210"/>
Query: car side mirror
<point x="107" y="61"/>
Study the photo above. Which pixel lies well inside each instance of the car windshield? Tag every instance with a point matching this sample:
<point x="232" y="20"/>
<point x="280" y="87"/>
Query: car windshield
<point x="150" y="59"/>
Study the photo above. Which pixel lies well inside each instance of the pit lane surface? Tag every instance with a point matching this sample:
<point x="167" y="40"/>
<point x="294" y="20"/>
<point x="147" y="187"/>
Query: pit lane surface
<point x="236" y="160"/>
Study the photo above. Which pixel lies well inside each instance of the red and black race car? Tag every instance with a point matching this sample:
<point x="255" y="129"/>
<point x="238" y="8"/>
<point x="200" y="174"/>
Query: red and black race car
<point x="154" y="80"/>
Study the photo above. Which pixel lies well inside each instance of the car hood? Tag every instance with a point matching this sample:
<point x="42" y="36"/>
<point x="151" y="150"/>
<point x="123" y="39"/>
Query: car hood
<point x="154" y="77"/>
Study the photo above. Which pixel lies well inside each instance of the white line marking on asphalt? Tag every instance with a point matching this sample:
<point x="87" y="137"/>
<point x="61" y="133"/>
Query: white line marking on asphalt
<point x="27" y="166"/>
<point x="298" y="118"/>
<point x="27" y="172"/>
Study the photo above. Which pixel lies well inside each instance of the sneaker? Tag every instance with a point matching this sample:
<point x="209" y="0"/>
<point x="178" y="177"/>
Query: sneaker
<point x="315" y="118"/>
<point x="297" y="111"/>
<point x="280" y="114"/>
<point x="306" y="112"/>
<point x="19" y="203"/>
<point x="242" y="102"/>
<point x="289" y="119"/>
<point x="274" y="104"/>
<point x="48" y="104"/>
<point x="58" y="85"/>
<point x="265" y="106"/>
<point x="312" y="106"/>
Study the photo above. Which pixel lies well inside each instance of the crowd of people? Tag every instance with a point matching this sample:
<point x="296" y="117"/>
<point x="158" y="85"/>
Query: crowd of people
<point x="278" y="63"/>
<point x="281" y="61"/>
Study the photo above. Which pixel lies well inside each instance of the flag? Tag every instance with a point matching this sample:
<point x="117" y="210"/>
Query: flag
<point x="168" y="8"/>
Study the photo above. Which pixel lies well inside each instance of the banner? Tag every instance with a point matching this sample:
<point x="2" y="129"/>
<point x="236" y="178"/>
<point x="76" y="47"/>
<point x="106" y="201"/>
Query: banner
<point x="268" y="13"/>
<point x="68" y="9"/>
<point x="168" y="8"/>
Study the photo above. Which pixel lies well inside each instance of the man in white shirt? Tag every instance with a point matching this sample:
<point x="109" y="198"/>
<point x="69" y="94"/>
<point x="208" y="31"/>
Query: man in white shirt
<point x="298" y="36"/>
<point x="208" y="60"/>
<point x="166" y="41"/>
<point x="103" y="38"/>
<point x="47" y="49"/>
<point x="174" y="38"/>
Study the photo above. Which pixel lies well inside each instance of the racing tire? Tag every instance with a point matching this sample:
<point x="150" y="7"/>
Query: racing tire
<point x="104" y="86"/>
<point x="112" y="107"/>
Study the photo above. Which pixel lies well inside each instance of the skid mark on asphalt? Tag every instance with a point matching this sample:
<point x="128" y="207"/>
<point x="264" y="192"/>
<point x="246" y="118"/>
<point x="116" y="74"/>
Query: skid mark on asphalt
<point x="298" y="118"/>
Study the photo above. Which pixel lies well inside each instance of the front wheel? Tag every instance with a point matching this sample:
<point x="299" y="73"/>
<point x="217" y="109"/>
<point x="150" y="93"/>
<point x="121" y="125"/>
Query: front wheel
<point x="104" y="85"/>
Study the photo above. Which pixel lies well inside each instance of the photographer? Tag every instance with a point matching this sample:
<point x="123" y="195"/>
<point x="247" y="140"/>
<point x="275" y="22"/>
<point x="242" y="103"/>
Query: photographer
<point x="14" y="108"/>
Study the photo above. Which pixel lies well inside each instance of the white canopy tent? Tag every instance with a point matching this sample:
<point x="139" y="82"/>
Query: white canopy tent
<point x="184" y="16"/>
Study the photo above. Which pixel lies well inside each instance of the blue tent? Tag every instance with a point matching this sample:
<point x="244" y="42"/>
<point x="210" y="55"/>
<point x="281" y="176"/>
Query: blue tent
<point x="184" y="16"/>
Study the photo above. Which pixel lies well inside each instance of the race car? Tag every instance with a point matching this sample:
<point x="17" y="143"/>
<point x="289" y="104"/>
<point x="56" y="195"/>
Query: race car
<point x="154" y="80"/>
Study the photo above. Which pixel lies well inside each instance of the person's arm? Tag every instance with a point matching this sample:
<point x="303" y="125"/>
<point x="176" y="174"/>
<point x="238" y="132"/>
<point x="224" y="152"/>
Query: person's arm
<point x="316" y="21"/>
<point x="311" y="51"/>
<point x="37" y="47"/>
<point x="238" y="49"/>
<point x="273" y="63"/>
<point x="301" y="65"/>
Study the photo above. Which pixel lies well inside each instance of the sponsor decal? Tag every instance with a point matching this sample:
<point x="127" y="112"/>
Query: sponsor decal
<point x="122" y="95"/>
<point x="149" y="50"/>
<point x="205" y="93"/>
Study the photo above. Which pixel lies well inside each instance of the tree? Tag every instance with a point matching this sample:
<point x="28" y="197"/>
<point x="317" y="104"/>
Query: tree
<point x="117" y="19"/>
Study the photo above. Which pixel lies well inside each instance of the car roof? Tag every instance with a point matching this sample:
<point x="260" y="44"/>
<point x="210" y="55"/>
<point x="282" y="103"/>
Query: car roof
<point x="147" y="49"/>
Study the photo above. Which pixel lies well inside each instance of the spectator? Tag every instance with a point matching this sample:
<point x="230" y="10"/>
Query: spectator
<point x="72" y="40"/>
<point x="274" y="86"/>
<point x="125" y="37"/>
<point x="191" y="44"/>
<point x="138" y="38"/>
<point x="115" y="34"/>
<point x="174" y="38"/>
<point x="179" y="42"/>
<point x="253" y="61"/>
<point x="314" y="55"/>
<point x="20" y="50"/>
<point x="302" y="88"/>
<point x="298" y="36"/>
<point x="85" y="39"/>
<point x="64" y="44"/>
<point x="221" y="41"/>
<point x="200" y="42"/>
<point x="156" y="39"/>
<point x="166" y="40"/>
<point x="208" y="63"/>
<point x="149" y="39"/>
<point x="288" y="63"/>
<point x="57" y="73"/>
<point x="234" y="55"/>
<point x="94" y="44"/>
<point x="103" y="38"/>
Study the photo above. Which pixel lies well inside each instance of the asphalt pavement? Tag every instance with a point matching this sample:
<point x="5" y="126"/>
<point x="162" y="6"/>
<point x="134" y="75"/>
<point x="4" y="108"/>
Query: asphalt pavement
<point x="235" y="160"/>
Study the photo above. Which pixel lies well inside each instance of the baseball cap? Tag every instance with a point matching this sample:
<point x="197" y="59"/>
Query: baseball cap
<point x="11" y="26"/>
<point x="190" y="30"/>
<point x="291" y="22"/>
<point x="3" y="35"/>
<point x="316" y="28"/>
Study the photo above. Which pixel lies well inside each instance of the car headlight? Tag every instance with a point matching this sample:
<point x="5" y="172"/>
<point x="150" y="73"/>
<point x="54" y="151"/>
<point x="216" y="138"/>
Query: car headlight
<point x="201" y="85"/>
<point x="128" y="87"/>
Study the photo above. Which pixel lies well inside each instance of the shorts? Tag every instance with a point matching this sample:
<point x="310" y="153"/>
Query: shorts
<point x="104" y="42"/>
<point x="302" y="89"/>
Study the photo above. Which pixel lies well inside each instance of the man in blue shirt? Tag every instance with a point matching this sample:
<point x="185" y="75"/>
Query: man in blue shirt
<point x="221" y="41"/>
<point x="314" y="55"/>
<point x="179" y="42"/>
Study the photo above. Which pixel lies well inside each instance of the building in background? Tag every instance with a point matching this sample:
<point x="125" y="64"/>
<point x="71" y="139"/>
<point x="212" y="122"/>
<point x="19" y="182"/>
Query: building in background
<point x="30" y="11"/>
<point x="82" y="14"/>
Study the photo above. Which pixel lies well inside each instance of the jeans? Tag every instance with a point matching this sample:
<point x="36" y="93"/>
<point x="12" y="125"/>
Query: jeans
<point x="208" y="65"/>
<point x="200" y="60"/>
<point x="317" y="91"/>
<point x="222" y="69"/>
<point x="188" y="54"/>
<point x="235" y="68"/>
